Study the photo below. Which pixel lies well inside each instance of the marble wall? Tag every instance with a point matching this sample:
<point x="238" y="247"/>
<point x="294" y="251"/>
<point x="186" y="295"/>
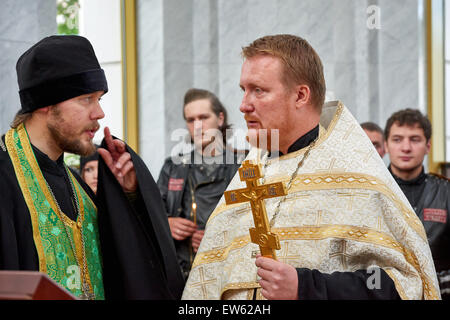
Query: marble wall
<point x="22" y="23"/>
<point x="197" y="43"/>
<point x="375" y="70"/>
<point x="106" y="39"/>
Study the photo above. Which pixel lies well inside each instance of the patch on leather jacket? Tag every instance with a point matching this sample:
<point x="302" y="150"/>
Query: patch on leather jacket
<point x="435" y="215"/>
<point x="176" y="184"/>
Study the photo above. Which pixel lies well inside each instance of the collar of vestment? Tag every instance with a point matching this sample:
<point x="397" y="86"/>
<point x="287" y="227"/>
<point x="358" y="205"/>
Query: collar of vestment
<point x="342" y="207"/>
<point x="47" y="164"/>
<point x="302" y="142"/>
<point x="415" y="181"/>
<point x="67" y="250"/>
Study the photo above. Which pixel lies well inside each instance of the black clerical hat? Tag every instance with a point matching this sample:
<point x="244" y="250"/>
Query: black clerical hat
<point x="56" y="69"/>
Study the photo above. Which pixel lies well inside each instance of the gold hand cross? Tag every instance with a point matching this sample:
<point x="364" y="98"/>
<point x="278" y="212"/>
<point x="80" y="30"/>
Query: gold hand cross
<point x="256" y="194"/>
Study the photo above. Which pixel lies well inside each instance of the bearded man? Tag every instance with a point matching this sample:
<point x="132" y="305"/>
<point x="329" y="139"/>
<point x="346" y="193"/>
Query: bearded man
<point x="104" y="246"/>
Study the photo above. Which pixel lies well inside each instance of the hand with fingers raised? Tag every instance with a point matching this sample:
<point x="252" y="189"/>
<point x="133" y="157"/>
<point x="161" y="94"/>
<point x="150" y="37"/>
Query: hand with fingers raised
<point x="119" y="162"/>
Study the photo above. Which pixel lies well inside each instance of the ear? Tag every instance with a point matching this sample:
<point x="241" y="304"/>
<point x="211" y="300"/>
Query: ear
<point x="221" y="119"/>
<point x="43" y="111"/>
<point x="428" y="146"/>
<point x="303" y="95"/>
<point x="386" y="149"/>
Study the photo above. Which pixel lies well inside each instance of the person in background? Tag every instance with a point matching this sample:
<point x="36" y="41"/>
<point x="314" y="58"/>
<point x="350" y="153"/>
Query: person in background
<point x="89" y="170"/>
<point x="408" y="140"/>
<point x="191" y="184"/>
<point x="376" y="135"/>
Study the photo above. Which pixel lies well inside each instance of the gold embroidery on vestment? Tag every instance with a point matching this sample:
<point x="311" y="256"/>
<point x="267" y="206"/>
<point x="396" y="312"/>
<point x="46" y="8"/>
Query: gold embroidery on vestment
<point x="9" y="138"/>
<point x="312" y="182"/>
<point x="74" y="225"/>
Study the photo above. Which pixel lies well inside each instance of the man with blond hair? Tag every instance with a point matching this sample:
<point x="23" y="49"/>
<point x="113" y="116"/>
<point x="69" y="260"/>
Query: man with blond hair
<point x="114" y="244"/>
<point x="345" y="229"/>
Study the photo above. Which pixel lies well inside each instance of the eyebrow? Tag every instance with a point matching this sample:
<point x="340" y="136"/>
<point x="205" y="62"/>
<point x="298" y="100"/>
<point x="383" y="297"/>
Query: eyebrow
<point x="199" y="115"/>
<point x="403" y="136"/>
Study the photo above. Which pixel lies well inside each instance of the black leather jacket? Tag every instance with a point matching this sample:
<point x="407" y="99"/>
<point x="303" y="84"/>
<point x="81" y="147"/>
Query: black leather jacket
<point x="429" y="195"/>
<point x="181" y="179"/>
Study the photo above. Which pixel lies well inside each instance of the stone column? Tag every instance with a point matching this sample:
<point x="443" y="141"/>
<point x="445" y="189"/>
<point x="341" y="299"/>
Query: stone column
<point x="165" y="72"/>
<point x="22" y="23"/>
<point x="197" y="43"/>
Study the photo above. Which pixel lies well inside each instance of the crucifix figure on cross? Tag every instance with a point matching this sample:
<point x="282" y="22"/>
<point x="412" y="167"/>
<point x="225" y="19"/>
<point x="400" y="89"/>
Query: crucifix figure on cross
<point x="256" y="194"/>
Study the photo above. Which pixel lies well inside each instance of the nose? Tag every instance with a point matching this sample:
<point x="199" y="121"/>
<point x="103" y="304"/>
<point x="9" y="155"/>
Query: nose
<point x="198" y="127"/>
<point x="406" y="145"/>
<point x="246" y="106"/>
<point x="98" y="113"/>
<point x="198" y="124"/>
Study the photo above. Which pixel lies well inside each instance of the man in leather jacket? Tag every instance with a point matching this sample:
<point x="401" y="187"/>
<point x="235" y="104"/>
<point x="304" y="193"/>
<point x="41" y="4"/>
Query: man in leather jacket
<point x="408" y="135"/>
<point x="192" y="184"/>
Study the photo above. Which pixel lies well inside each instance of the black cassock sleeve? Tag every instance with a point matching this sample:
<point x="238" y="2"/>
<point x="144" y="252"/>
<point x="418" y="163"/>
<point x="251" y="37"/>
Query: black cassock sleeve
<point x="139" y="259"/>
<point x="314" y="285"/>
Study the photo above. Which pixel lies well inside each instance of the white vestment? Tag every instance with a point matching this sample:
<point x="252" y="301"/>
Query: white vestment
<point x="343" y="212"/>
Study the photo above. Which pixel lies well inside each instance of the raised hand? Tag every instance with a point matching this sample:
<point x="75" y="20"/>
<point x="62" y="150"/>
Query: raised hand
<point x="119" y="162"/>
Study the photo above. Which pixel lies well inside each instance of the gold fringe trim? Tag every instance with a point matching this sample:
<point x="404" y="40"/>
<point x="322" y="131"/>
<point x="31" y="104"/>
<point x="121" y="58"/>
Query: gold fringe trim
<point x="9" y="139"/>
<point x="323" y="232"/>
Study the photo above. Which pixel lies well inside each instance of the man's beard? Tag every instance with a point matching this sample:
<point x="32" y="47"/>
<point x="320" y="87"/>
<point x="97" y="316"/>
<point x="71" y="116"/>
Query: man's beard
<point x="64" y="141"/>
<point x="71" y="145"/>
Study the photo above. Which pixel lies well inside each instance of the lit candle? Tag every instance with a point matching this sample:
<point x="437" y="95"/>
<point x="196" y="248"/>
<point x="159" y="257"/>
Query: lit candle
<point x="194" y="212"/>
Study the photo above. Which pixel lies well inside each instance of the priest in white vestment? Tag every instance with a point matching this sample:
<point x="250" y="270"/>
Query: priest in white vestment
<point x="345" y="228"/>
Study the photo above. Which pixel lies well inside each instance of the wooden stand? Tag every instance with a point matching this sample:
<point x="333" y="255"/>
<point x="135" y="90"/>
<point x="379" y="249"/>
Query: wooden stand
<point x="31" y="285"/>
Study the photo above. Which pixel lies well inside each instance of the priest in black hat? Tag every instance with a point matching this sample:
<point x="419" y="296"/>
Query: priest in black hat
<point x="115" y="244"/>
